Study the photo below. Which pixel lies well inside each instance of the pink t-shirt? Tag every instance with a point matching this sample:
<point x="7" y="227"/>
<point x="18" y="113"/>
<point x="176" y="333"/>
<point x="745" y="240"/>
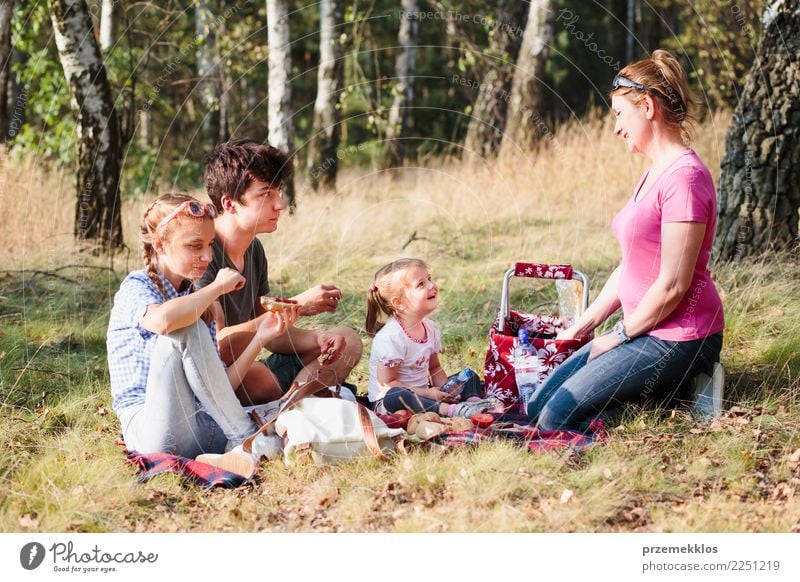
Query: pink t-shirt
<point x="684" y="192"/>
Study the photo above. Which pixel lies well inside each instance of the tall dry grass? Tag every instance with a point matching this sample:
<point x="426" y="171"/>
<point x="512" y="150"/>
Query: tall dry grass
<point x="555" y="205"/>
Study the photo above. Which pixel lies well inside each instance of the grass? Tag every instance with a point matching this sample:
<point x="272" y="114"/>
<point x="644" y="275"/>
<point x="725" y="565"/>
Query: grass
<point x="63" y="469"/>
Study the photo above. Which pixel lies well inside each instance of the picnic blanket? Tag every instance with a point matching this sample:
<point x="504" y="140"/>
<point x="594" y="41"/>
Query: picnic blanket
<point x="201" y="474"/>
<point x="515" y="427"/>
<point x="206" y="476"/>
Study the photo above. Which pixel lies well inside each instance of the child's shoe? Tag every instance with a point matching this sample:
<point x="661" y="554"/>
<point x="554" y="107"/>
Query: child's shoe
<point x="467" y="409"/>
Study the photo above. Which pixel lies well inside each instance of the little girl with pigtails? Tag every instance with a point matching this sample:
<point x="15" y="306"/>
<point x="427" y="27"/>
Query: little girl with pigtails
<point x="404" y="368"/>
<point x="170" y="389"/>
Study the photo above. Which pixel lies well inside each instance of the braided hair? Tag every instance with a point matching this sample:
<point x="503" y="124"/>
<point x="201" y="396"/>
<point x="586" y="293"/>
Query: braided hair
<point x="154" y="214"/>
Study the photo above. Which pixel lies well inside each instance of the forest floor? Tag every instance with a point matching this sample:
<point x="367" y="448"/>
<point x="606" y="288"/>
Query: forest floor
<point x="63" y="468"/>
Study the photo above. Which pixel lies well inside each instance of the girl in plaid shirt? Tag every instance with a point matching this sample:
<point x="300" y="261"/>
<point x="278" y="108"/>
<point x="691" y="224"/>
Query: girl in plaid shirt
<point x="171" y="391"/>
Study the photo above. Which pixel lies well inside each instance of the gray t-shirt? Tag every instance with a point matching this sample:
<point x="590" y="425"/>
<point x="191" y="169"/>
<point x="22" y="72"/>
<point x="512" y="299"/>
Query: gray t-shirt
<point x="240" y="306"/>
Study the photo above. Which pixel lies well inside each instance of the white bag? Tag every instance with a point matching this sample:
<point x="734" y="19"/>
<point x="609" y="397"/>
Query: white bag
<point x="334" y="430"/>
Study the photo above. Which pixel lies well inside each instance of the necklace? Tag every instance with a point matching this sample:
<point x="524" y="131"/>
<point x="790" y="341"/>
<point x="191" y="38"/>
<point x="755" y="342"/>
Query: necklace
<point x="409" y="336"/>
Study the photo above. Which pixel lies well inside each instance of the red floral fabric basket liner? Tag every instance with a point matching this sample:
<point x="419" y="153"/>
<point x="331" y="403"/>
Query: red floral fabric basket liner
<point x="499" y="366"/>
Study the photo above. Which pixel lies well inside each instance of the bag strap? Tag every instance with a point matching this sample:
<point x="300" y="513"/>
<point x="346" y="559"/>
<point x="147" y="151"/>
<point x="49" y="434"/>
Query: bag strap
<point x="368" y="429"/>
<point x="294" y="395"/>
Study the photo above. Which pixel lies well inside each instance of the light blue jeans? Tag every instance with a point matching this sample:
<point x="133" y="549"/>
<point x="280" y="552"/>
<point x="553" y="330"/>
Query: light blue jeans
<point x="190" y="407"/>
<point x="645" y="369"/>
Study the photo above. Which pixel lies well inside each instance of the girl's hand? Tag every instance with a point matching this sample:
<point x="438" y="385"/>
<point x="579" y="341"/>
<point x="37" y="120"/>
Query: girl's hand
<point x="274" y="324"/>
<point x="229" y="280"/>
<point x="603" y="344"/>
<point x="440" y="396"/>
<point x="449" y="398"/>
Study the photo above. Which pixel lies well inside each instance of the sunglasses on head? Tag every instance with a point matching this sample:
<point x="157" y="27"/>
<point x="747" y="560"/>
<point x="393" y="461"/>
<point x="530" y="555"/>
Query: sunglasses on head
<point x="623" y="82"/>
<point x="195" y="208"/>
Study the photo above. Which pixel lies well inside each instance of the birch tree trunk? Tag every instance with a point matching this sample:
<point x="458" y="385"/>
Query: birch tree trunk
<point x="279" y="80"/>
<point x="108" y="22"/>
<point x="97" y="216"/>
<point x="6" y="12"/>
<point x="322" y="158"/>
<point x="405" y="69"/>
<point x="208" y="72"/>
<point x="759" y="184"/>
<point x="488" y="121"/>
<point x="524" y="125"/>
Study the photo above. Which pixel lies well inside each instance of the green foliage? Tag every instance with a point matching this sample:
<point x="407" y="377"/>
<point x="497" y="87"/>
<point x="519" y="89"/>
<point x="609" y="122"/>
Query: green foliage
<point x="719" y="39"/>
<point x="49" y="129"/>
<point x="153" y="70"/>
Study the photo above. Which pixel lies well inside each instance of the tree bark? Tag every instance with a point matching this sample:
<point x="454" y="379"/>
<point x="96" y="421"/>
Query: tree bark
<point x="405" y="69"/>
<point x="279" y="80"/>
<point x="759" y="185"/>
<point x="16" y="96"/>
<point x="322" y="158"/>
<point x="97" y="216"/>
<point x="209" y="73"/>
<point x="488" y="121"/>
<point x="108" y="22"/>
<point x="524" y="125"/>
<point x="6" y="12"/>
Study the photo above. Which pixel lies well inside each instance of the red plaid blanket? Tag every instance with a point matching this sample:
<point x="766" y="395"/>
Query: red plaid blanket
<point x="531" y="438"/>
<point x="195" y="472"/>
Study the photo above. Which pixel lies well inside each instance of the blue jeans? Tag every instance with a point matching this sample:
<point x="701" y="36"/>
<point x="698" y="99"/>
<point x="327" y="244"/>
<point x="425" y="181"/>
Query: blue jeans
<point x="404" y="399"/>
<point x="189" y="406"/>
<point x="646" y="369"/>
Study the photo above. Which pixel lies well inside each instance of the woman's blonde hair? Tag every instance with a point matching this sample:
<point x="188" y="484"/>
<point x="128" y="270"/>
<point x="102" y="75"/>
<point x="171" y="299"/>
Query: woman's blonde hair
<point x="667" y="82"/>
<point x="153" y="216"/>
<point x="387" y="284"/>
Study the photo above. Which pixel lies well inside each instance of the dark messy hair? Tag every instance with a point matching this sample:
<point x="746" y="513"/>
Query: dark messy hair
<point x="237" y="163"/>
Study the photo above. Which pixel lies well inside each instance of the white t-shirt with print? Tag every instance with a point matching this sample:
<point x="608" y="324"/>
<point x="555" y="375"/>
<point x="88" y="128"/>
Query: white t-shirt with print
<point x="394" y="349"/>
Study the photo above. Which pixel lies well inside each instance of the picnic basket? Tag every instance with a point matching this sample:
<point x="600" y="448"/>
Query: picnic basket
<point x="499" y="366"/>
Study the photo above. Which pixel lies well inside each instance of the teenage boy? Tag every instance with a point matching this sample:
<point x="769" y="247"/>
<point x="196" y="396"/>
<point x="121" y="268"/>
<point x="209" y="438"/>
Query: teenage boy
<point x="244" y="178"/>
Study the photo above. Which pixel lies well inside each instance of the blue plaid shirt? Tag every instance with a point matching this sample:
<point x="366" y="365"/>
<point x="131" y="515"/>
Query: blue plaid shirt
<point x="130" y="346"/>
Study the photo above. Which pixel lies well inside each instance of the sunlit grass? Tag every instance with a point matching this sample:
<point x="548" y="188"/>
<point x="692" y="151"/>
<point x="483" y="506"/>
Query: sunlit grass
<point x="63" y="471"/>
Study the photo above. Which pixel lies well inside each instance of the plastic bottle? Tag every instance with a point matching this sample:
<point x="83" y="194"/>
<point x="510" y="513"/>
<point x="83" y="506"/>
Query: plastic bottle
<point x="456" y="384"/>
<point x="526" y="370"/>
<point x="568" y="301"/>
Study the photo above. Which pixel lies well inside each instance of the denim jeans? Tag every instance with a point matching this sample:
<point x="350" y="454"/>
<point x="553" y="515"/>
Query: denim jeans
<point x="646" y="369"/>
<point x="404" y="399"/>
<point x="190" y="407"/>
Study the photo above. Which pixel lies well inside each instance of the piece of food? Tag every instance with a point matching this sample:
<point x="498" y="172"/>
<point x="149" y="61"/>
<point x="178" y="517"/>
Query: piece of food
<point x="459" y="423"/>
<point x="397" y="419"/>
<point x="482" y="420"/>
<point x="427" y="429"/>
<point x="276" y="303"/>
<point x="325" y="356"/>
<point x="414" y="421"/>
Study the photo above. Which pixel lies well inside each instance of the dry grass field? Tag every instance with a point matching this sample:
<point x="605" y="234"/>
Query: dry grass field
<point x="470" y="220"/>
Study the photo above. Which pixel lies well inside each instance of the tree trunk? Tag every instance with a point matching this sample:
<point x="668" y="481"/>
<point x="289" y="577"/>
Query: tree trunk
<point x="759" y="185"/>
<point x="16" y="97"/>
<point x="630" y="34"/>
<point x="488" y="121"/>
<point x="524" y="126"/>
<point x="208" y="72"/>
<point x="107" y="25"/>
<point x="405" y="69"/>
<point x="6" y="12"/>
<point x="280" y="71"/>
<point x="97" y="216"/>
<point x="322" y="158"/>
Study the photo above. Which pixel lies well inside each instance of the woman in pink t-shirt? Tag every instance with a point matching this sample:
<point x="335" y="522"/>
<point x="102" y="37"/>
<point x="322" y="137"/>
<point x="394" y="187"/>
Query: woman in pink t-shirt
<point x="672" y="321"/>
